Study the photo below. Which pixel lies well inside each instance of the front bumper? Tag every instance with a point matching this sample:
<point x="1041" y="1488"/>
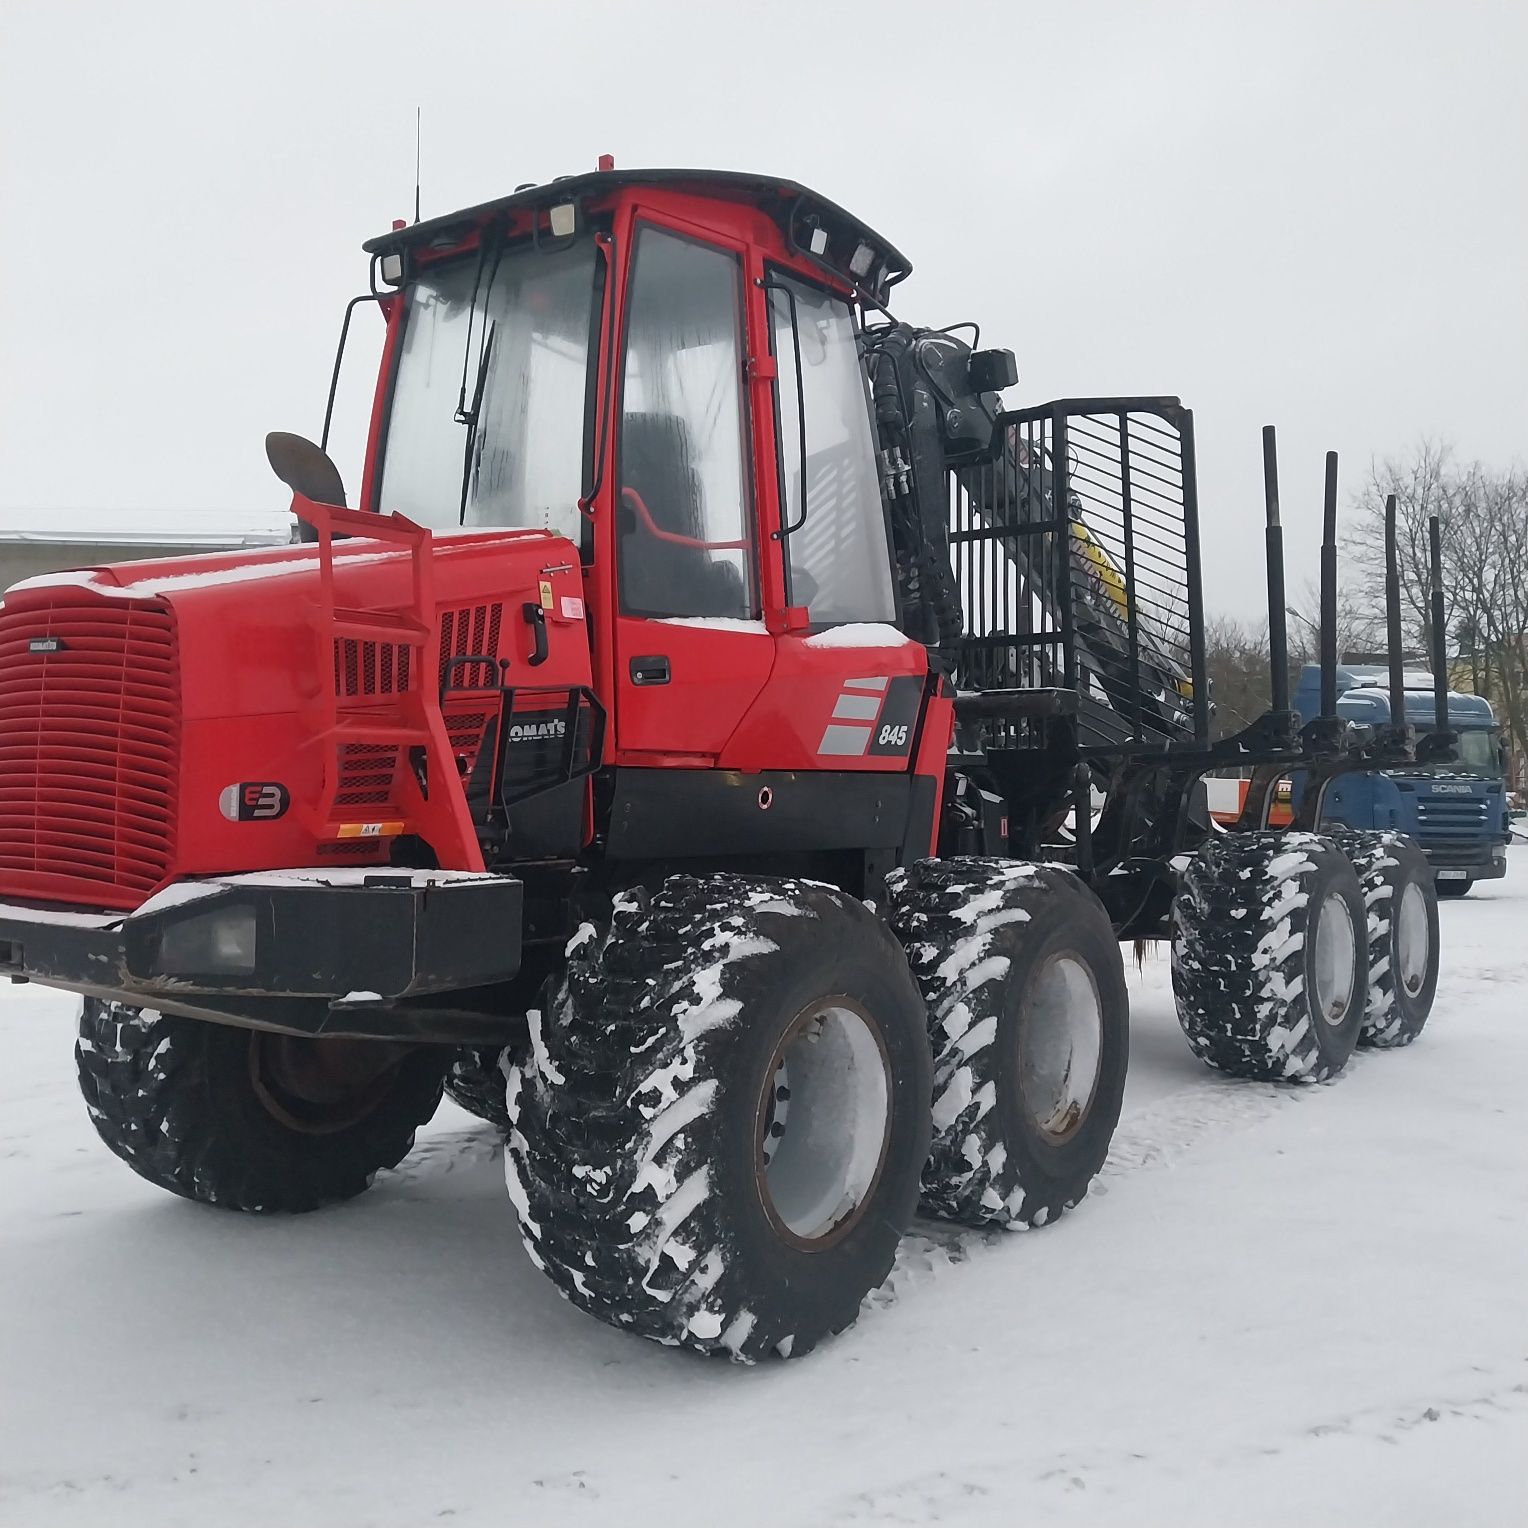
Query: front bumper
<point x="1468" y="862"/>
<point x="378" y="954"/>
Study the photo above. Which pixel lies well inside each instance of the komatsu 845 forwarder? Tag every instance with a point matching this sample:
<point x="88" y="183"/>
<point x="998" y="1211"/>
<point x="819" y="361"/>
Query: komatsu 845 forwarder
<point x="719" y="744"/>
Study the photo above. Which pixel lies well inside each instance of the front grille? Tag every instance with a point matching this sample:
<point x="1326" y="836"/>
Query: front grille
<point x="1445" y="817"/>
<point x="89" y="743"/>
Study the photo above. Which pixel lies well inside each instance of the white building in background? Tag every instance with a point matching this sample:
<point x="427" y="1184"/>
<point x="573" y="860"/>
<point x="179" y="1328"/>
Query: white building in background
<point x="25" y="553"/>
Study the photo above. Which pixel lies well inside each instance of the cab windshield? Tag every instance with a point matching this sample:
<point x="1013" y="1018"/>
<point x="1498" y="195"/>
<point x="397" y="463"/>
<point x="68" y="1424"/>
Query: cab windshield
<point x="487" y="421"/>
<point x="1478" y="755"/>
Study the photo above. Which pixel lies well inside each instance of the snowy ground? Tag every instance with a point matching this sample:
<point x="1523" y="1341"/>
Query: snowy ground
<point x="1277" y="1307"/>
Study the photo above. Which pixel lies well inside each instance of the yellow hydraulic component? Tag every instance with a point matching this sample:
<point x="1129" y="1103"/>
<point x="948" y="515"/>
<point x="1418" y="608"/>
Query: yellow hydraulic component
<point x="1103" y="567"/>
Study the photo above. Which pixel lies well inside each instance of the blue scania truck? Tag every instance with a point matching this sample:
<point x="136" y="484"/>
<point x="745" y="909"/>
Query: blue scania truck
<point x="1457" y="812"/>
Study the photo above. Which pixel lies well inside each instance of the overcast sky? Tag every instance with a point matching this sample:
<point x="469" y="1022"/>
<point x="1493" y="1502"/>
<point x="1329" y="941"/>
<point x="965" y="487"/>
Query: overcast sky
<point x="1313" y="215"/>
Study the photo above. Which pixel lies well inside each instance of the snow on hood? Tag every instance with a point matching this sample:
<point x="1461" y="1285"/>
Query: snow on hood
<point x="860" y="634"/>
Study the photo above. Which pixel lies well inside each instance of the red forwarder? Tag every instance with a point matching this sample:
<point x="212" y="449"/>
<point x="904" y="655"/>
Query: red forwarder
<point x="612" y="741"/>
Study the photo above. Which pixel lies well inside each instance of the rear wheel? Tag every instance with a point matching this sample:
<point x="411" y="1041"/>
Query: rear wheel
<point x="1398" y="891"/>
<point x="248" y="1120"/>
<point x="476" y="1083"/>
<point x="1270" y="956"/>
<point x="717" y="1135"/>
<point x="1028" y="1016"/>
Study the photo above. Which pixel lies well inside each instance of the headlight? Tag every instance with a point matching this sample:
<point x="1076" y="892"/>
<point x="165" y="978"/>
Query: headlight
<point x="216" y="943"/>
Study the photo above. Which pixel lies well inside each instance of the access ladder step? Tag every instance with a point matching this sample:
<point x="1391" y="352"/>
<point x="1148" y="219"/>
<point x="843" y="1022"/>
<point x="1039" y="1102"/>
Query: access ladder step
<point x="380" y="626"/>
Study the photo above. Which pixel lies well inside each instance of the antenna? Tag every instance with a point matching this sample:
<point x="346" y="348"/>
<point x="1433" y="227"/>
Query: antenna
<point x="418" y="134"/>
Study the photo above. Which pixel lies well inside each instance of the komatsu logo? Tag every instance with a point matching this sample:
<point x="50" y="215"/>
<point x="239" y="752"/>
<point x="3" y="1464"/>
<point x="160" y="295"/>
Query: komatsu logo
<point x="534" y="732"/>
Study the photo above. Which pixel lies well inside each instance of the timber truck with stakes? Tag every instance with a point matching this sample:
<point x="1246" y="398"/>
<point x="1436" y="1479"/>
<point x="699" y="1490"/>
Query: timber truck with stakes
<point x="719" y="744"/>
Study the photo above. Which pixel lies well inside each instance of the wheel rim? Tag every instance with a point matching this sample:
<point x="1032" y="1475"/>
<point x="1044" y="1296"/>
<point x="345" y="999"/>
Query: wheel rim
<point x="1413" y="939"/>
<point x="824" y="1121"/>
<point x="1061" y="1046"/>
<point x="1336" y="945"/>
<point x="318" y="1087"/>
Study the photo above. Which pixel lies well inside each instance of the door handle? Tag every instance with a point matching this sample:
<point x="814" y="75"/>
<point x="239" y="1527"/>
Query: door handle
<point x="535" y="618"/>
<point x="650" y="670"/>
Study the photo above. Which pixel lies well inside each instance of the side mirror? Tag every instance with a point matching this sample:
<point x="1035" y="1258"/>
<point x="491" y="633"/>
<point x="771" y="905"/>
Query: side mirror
<point x="305" y="468"/>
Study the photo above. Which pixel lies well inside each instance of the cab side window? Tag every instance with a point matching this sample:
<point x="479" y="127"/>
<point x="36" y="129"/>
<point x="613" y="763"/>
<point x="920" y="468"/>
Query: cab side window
<point x="838" y="561"/>
<point x="683" y="513"/>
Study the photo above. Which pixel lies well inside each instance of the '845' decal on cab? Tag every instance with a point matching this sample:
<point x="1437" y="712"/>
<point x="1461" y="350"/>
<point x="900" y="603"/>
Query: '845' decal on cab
<point x="873" y="717"/>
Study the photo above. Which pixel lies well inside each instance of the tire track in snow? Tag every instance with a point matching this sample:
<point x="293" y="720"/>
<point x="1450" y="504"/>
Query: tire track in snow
<point x="984" y="1489"/>
<point x="445" y="1151"/>
<point x="1156" y="1137"/>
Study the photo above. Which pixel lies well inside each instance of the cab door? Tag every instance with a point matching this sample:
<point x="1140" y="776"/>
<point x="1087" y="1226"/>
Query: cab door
<point x="691" y="649"/>
<point x="847" y="689"/>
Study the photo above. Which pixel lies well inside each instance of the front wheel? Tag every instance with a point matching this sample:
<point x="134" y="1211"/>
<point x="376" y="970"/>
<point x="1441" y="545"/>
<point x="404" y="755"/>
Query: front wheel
<point x="1028" y="1016"/>
<point x="247" y="1120"/>
<point x="717" y="1135"/>
<point x="475" y="1083"/>
<point x="1453" y="889"/>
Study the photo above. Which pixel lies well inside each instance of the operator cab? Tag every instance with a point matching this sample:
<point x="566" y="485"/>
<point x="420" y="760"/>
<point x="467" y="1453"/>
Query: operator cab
<point x="665" y="368"/>
<point x="598" y="346"/>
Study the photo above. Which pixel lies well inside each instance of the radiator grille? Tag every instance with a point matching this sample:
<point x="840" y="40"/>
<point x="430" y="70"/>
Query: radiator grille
<point x="366" y="774"/>
<point x="472" y="631"/>
<point x="89" y="743"/>
<point x="1444" y="817"/>
<point x="365" y="670"/>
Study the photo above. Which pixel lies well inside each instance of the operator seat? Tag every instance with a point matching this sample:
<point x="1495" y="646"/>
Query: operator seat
<point x="658" y="577"/>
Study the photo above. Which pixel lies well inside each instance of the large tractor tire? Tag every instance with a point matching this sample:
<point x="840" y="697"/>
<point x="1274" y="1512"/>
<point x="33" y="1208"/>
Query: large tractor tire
<point x="717" y="1134"/>
<point x="1028" y="1017"/>
<point x="476" y="1082"/>
<point x="245" y="1120"/>
<point x="1397" y="884"/>
<point x="1270" y="955"/>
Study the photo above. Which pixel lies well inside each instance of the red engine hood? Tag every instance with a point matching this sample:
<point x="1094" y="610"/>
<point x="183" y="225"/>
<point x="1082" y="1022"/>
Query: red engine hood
<point x="176" y="680"/>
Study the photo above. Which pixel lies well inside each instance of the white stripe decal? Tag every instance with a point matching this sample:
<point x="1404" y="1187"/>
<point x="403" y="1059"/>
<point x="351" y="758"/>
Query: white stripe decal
<point x="864" y="708"/>
<point x="846" y="741"/>
<point x="866" y="684"/>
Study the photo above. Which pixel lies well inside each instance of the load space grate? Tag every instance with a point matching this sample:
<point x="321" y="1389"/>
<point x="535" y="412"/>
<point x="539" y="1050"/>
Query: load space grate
<point x="89" y="749"/>
<point x="1075" y="554"/>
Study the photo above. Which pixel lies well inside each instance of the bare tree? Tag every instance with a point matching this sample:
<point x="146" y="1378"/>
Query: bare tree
<point x="1236" y="659"/>
<point x="1483" y="517"/>
<point x="1424" y="485"/>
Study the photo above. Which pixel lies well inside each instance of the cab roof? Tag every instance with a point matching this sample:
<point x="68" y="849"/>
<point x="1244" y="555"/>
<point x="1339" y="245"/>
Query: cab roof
<point x="800" y="212"/>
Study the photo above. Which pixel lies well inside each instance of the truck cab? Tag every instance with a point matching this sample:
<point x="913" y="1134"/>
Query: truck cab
<point x="1456" y="811"/>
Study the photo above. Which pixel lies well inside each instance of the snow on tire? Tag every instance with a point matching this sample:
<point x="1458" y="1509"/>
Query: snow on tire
<point x="1397" y="884"/>
<point x="716" y="1137"/>
<point x="1270" y="956"/>
<point x="1028" y="1017"/>
<point x="247" y="1121"/>
<point x="476" y="1083"/>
